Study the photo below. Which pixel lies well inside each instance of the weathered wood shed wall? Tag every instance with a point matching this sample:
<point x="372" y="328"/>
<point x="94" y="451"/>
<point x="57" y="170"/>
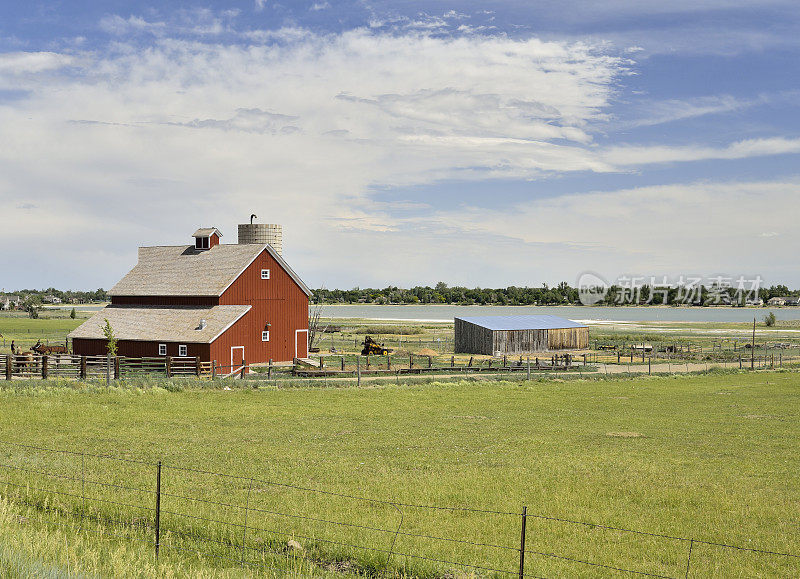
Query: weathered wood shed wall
<point x="518" y="334"/>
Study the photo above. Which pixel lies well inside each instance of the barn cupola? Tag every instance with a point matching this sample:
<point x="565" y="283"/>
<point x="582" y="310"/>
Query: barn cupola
<point x="206" y="237"/>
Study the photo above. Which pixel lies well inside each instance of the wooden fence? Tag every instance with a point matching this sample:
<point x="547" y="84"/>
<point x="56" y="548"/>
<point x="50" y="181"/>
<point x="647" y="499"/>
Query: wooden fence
<point x="29" y="366"/>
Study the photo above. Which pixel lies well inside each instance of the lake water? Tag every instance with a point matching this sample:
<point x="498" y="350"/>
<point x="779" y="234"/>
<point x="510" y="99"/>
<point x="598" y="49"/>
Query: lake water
<point x="620" y="314"/>
<point x="444" y="313"/>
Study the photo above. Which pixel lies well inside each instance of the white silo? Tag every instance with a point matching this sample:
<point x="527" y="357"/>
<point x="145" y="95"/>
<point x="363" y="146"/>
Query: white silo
<point x="261" y="233"/>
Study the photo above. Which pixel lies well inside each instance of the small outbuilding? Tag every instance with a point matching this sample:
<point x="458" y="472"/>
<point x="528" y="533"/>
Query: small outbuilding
<point x="492" y="335"/>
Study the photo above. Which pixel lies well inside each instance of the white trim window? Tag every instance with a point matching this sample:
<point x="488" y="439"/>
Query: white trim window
<point x="265" y="336"/>
<point x="264" y="274"/>
<point x="183" y="351"/>
<point x="162" y="349"/>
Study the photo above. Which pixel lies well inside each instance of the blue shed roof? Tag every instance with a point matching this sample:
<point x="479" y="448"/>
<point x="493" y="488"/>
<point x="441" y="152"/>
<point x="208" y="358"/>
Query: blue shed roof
<point x="540" y="322"/>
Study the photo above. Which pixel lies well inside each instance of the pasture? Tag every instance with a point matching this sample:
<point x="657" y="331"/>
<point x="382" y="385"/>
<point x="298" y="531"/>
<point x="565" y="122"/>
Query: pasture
<point x="710" y="457"/>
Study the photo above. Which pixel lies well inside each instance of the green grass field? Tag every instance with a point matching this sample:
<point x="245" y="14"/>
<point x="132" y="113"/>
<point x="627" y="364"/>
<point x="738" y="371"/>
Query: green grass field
<point x="51" y="327"/>
<point x="711" y="457"/>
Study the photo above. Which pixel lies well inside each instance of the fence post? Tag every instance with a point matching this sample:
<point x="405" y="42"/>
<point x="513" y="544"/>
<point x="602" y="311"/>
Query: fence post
<point x="322" y="362"/>
<point x="168" y="366"/>
<point x="342" y="363"/>
<point x="269" y="370"/>
<point x="358" y="370"/>
<point x="522" y="544"/>
<point x="410" y="361"/>
<point x="244" y="531"/>
<point x="83" y="368"/>
<point x="116" y="368"/>
<point x="689" y="558"/>
<point x="213" y="369"/>
<point x="430" y="362"/>
<point x="244" y="367"/>
<point x="158" y="507"/>
<point x="44" y="367"/>
<point x="452" y="361"/>
<point x="108" y="369"/>
<point x="197" y="366"/>
<point x="9" y="366"/>
<point x="649" y="362"/>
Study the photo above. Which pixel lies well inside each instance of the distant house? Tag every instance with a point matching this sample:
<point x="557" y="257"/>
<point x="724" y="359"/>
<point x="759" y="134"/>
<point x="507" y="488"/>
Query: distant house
<point x="213" y="301"/>
<point x="51" y="299"/>
<point x="783" y="301"/>
<point x="492" y="335"/>
<point x="9" y="302"/>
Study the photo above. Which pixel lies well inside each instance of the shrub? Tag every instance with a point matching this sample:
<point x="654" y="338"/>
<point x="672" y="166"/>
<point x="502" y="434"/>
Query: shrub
<point x="108" y="332"/>
<point x="770" y="319"/>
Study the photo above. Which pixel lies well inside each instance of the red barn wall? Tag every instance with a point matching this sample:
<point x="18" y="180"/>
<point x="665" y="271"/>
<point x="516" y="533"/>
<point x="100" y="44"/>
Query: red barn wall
<point x="278" y="301"/>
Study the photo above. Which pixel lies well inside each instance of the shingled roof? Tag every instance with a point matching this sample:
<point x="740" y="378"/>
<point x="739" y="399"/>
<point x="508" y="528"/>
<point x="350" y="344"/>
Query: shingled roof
<point x="164" y="324"/>
<point x="182" y="270"/>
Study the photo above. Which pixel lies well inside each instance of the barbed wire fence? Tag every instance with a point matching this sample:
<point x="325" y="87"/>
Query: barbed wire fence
<point x="272" y="525"/>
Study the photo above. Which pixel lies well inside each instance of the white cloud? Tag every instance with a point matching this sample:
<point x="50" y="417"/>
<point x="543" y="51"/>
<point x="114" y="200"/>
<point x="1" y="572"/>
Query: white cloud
<point x="14" y="63"/>
<point x="119" y="26"/>
<point x="144" y="144"/>
<point x="181" y="133"/>
<point x="626" y="156"/>
<point x="673" y="229"/>
<point x="667" y="111"/>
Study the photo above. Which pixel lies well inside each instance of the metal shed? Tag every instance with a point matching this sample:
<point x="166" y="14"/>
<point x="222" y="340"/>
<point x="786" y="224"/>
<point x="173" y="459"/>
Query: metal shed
<point x="518" y="334"/>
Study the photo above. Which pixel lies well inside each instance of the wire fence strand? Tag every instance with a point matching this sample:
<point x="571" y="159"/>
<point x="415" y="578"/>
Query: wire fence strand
<point x="249" y="533"/>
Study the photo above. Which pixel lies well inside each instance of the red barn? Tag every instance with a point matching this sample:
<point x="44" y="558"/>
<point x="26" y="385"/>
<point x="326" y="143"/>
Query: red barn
<point x="208" y="300"/>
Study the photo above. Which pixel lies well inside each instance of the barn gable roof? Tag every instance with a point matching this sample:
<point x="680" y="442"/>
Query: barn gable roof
<point x="165" y="324"/>
<point x="182" y="270"/>
<point x="537" y="322"/>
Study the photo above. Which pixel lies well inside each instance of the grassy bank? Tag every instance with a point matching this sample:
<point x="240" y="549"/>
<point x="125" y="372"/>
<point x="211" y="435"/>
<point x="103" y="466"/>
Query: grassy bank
<point x="711" y="457"/>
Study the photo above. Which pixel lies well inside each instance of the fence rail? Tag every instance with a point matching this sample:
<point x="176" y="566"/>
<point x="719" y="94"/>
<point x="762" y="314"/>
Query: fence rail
<point x="30" y="365"/>
<point x="263" y="523"/>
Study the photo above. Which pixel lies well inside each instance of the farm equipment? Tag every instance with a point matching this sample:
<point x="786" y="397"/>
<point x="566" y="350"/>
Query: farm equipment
<point x="372" y="347"/>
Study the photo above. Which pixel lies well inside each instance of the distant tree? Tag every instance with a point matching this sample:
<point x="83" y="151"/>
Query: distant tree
<point x="108" y="332"/>
<point x="315" y="327"/>
<point x="770" y="319"/>
<point x="31" y="305"/>
<point x="72" y="314"/>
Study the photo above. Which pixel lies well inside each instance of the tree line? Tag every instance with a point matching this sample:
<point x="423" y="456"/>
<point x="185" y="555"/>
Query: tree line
<point x="561" y="294"/>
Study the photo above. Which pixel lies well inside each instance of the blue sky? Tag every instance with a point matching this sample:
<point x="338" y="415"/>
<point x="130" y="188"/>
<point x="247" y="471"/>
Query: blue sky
<point x="478" y="143"/>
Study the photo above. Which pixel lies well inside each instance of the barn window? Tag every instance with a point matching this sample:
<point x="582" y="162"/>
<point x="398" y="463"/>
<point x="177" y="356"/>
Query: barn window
<point x="264" y="274"/>
<point x="162" y="349"/>
<point x="265" y="336"/>
<point x="201" y="242"/>
<point x="182" y="350"/>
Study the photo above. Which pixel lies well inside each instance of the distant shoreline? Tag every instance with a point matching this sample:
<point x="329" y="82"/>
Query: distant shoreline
<point x="611" y="307"/>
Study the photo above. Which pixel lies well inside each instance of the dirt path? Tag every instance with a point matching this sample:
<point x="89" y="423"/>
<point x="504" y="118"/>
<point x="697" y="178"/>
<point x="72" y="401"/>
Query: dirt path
<point x="660" y="368"/>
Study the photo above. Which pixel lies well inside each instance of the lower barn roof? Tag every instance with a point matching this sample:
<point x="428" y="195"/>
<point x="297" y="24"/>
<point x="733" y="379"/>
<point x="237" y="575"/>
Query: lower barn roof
<point x="165" y="324"/>
<point x="538" y="322"/>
